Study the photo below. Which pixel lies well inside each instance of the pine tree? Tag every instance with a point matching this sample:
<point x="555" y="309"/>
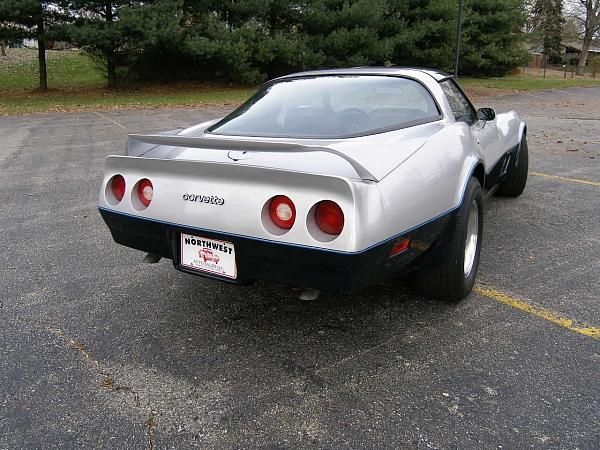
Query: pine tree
<point x="548" y="20"/>
<point x="21" y="19"/>
<point x="425" y="32"/>
<point x="347" y="33"/>
<point x="97" y="31"/>
<point x="251" y="40"/>
<point x="493" y="43"/>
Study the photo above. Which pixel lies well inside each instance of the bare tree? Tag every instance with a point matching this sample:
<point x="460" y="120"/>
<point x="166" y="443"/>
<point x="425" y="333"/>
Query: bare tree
<point x="587" y="13"/>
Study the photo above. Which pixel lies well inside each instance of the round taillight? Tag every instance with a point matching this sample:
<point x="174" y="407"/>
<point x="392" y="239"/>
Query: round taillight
<point x="117" y="185"/>
<point x="145" y="191"/>
<point x="282" y="211"/>
<point x="329" y="217"/>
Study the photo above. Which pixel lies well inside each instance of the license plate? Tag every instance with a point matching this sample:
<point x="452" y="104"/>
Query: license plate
<point x="208" y="255"/>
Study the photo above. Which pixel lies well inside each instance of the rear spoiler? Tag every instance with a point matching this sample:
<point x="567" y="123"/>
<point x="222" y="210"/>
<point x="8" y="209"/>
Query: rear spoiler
<point x="225" y="144"/>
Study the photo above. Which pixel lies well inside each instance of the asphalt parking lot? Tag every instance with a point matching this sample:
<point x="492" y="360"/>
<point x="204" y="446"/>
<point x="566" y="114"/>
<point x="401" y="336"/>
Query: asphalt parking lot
<point x="99" y="350"/>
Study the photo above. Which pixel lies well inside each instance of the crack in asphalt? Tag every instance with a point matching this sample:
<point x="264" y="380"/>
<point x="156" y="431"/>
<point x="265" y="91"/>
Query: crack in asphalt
<point x="357" y="354"/>
<point x="308" y="374"/>
<point x="107" y="382"/>
<point x="108" y="119"/>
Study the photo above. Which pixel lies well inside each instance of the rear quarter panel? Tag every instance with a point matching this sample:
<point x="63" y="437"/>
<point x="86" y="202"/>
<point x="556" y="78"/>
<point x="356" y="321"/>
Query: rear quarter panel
<point x="431" y="182"/>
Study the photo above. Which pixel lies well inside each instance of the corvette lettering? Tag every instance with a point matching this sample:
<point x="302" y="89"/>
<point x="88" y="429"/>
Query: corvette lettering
<point x="210" y="199"/>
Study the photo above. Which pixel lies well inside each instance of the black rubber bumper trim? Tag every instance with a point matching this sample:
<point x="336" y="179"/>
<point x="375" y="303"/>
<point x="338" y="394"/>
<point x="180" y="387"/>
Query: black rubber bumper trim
<point x="292" y="265"/>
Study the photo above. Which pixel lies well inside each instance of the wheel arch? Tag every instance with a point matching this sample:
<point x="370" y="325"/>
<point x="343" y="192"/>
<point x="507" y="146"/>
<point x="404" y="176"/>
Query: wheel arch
<point x="522" y="137"/>
<point x="511" y="128"/>
<point x="472" y="167"/>
<point x="479" y="174"/>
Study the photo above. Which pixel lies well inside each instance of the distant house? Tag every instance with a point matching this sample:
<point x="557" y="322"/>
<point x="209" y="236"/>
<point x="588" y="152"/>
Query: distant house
<point x="50" y="45"/>
<point x="572" y="49"/>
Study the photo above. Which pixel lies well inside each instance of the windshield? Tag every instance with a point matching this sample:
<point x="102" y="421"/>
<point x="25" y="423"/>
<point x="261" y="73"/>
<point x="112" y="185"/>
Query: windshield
<point x="331" y="107"/>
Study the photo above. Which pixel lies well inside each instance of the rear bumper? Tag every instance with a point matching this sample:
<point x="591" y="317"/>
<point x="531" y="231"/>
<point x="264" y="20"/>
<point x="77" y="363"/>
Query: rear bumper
<point x="290" y="264"/>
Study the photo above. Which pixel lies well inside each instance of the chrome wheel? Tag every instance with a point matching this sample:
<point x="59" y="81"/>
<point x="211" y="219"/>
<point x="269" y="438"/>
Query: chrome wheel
<point x="471" y="239"/>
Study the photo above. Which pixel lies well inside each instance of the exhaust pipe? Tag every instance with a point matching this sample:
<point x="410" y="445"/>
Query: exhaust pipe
<point x="151" y="258"/>
<point x="309" y="294"/>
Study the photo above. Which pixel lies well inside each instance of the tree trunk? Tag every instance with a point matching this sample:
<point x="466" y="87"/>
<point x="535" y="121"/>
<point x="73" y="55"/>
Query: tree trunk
<point x="42" y="50"/>
<point x="585" y="47"/>
<point x="591" y="25"/>
<point x="110" y="55"/>
<point x="3" y="46"/>
<point x="583" y="56"/>
<point x="110" y="68"/>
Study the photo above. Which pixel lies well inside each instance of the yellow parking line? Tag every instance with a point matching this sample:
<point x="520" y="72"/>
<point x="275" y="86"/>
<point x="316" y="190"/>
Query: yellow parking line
<point x="571" y="180"/>
<point x="569" y="324"/>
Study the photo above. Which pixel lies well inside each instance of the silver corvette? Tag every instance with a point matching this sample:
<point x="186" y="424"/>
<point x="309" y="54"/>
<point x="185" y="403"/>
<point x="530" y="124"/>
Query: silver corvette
<point x="332" y="179"/>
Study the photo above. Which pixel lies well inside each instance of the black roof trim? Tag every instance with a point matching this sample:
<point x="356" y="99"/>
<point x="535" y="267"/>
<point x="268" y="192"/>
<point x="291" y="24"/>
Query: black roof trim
<point x="437" y="75"/>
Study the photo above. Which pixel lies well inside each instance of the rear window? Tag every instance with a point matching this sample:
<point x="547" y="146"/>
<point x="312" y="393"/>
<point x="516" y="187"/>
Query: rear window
<point x="331" y="107"/>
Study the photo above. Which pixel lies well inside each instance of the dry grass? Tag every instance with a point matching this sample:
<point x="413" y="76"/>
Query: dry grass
<point x="91" y="99"/>
<point x="76" y="84"/>
<point x="553" y="73"/>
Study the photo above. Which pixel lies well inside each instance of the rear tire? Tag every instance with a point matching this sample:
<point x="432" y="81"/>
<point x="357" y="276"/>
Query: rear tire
<point x="516" y="176"/>
<point x="453" y="279"/>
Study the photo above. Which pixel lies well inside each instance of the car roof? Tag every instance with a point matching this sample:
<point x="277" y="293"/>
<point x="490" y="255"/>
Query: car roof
<point x="437" y="75"/>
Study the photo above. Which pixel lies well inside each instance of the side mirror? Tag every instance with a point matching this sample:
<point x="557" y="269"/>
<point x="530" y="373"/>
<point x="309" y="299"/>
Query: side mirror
<point x="486" y="114"/>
